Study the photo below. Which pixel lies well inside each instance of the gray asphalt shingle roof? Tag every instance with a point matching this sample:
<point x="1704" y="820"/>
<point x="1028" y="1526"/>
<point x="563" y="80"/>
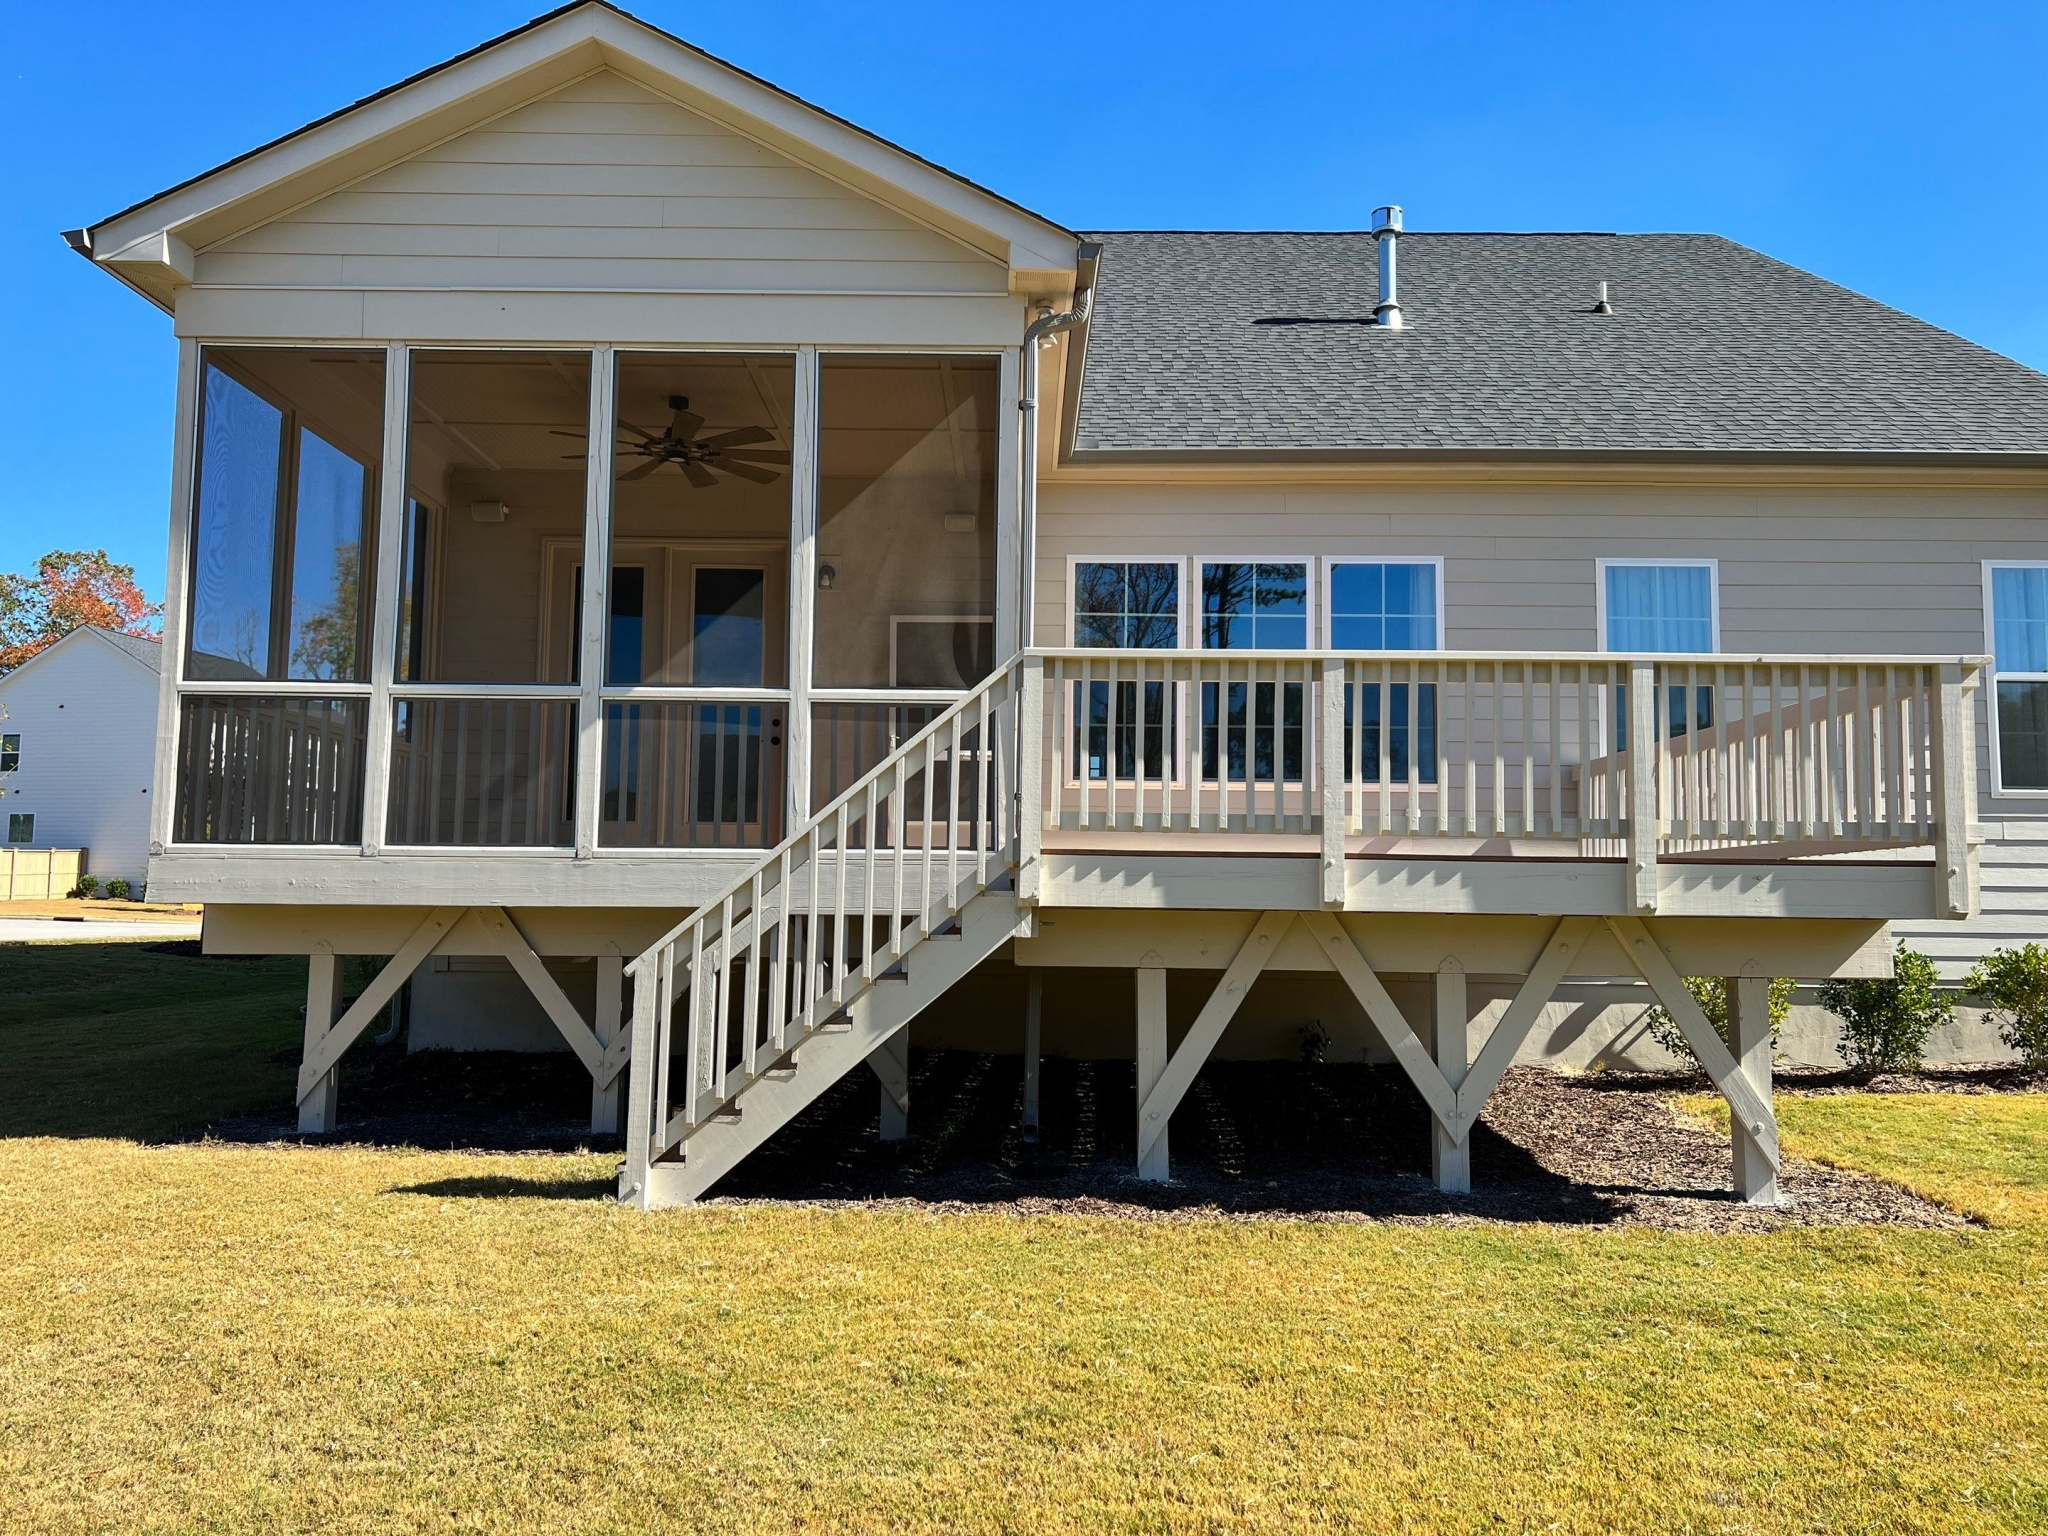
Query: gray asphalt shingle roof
<point x="1713" y="348"/>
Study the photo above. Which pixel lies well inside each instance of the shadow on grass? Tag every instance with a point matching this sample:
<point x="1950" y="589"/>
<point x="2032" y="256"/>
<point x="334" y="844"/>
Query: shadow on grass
<point x="506" y="1187"/>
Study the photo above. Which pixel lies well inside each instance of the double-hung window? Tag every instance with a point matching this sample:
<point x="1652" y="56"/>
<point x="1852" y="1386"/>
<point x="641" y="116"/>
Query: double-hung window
<point x="1252" y="731"/>
<point x="21" y="827"/>
<point x="1126" y="605"/>
<point x="1667" y="607"/>
<point x="1389" y="605"/>
<point x="10" y="753"/>
<point x="2017" y="598"/>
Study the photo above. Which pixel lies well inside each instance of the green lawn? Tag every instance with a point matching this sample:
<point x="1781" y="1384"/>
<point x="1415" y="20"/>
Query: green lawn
<point x="211" y="1338"/>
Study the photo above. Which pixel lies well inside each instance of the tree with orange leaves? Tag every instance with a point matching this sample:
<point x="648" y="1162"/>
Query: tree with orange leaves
<point x="68" y="589"/>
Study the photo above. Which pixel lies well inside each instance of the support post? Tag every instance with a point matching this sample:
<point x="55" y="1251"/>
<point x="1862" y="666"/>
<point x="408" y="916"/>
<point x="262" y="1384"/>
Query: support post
<point x="1450" y="1155"/>
<point x="1749" y="1039"/>
<point x="317" y="1103"/>
<point x="1642" y="786"/>
<point x="1030" y="780"/>
<point x="1333" y="754"/>
<point x="1152" y="1161"/>
<point x="607" y="1026"/>
<point x="891" y="1063"/>
<point x="597" y="585"/>
<point x="1955" y="789"/>
<point x="1034" y="1043"/>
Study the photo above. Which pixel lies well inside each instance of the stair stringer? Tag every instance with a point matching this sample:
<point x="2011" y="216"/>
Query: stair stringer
<point x="934" y="966"/>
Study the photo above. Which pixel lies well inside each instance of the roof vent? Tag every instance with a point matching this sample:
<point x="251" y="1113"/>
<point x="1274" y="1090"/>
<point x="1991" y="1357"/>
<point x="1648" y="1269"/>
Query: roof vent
<point x="1600" y="305"/>
<point x="1386" y="230"/>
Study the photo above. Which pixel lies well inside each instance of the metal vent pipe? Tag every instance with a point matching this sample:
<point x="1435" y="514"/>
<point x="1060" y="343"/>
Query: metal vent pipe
<point x="1386" y="231"/>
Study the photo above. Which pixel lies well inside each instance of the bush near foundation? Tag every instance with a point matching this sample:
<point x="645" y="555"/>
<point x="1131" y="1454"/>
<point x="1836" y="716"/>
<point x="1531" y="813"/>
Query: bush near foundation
<point x="2013" y="983"/>
<point x="1711" y="993"/>
<point x="117" y="889"/>
<point x="88" y="887"/>
<point x="1886" y="1020"/>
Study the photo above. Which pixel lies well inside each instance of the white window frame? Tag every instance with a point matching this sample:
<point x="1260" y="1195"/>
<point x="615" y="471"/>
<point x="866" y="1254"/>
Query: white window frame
<point x="1311" y="593"/>
<point x="1181" y="615"/>
<point x="1710" y="565"/>
<point x="1991" y="691"/>
<point x="1327" y="588"/>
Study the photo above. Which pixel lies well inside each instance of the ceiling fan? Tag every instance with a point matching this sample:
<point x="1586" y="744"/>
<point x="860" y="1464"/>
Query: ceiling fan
<point x="701" y="459"/>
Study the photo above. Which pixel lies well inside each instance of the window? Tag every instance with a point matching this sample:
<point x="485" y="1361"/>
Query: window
<point x="1659" y="606"/>
<point x="1391" y="606"/>
<point x="1122" y="729"/>
<point x="1254" y="606"/>
<point x="21" y="827"/>
<point x="2018" y="602"/>
<point x="1649" y="605"/>
<point x="288" y="445"/>
<point x="1129" y="605"/>
<point x="10" y="753"/>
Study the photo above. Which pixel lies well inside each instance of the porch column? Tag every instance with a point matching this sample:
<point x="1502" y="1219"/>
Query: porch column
<point x="607" y="1025"/>
<point x="1450" y="1160"/>
<point x="1034" y="1008"/>
<point x="1749" y="1041"/>
<point x="1152" y="1058"/>
<point x="323" y="1003"/>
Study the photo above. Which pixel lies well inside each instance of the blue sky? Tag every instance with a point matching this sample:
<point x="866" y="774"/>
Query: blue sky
<point x="1899" y="149"/>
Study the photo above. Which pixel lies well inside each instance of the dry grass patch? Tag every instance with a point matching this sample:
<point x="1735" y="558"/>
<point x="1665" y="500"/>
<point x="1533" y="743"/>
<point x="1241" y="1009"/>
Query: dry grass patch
<point x="205" y="1338"/>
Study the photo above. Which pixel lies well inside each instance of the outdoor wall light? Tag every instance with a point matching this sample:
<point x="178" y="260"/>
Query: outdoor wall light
<point x="826" y="577"/>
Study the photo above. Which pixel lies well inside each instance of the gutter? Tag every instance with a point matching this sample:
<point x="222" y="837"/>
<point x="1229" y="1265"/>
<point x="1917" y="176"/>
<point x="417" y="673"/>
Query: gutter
<point x="1087" y="259"/>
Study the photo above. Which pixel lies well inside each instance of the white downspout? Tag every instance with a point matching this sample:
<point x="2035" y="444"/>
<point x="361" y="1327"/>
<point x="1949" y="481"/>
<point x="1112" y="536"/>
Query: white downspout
<point x="1027" y="476"/>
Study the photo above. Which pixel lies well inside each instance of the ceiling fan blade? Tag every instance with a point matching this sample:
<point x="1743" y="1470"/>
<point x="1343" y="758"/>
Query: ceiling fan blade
<point x="756" y="455"/>
<point x="559" y="432"/>
<point x="699" y="476"/>
<point x="685" y="425"/>
<point x="641" y="433"/>
<point x="739" y="436"/>
<point x="579" y="457"/>
<point x="750" y="472"/>
<point x="642" y="472"/>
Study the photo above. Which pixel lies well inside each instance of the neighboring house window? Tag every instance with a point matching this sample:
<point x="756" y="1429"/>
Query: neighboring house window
<point x="1253" y="731"/>
<point x="1389" y="606"/>
<point x="1126" y="605"/>
<point x="21" y="827"/>
<point x="10" y="753"/>
<point x="1670" y="607"/>
<point x="2019" y="649"/>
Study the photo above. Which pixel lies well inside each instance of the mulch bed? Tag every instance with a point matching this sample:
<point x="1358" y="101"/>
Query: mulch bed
<point x="1252" y="1141"/>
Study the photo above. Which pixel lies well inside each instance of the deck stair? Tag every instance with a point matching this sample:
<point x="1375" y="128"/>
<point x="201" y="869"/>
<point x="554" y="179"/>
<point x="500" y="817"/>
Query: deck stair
<point x="812" y="961"/>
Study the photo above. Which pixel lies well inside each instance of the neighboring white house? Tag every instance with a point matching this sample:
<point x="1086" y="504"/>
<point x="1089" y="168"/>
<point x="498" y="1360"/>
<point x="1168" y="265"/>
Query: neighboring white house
<point x="77" y="748"/>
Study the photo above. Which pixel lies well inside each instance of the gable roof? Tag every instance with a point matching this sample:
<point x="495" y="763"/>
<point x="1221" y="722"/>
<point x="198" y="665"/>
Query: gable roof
<point x="1713" y="351"/>
<point x="137" y="648"/>
<point x="150" y="244"/>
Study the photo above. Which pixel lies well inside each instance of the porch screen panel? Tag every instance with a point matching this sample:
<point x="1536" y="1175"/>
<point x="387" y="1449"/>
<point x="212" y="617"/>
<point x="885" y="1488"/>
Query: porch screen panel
<point x="483" y="772"/>
<point x="907" y="537"/>
<point x="269" y="770"/>
<point x="289" y="440"/>
<point x="496" y="448"/>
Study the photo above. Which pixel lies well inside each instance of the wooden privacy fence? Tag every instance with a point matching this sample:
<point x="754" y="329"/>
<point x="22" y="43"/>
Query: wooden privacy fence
<point x="39" y="874"/>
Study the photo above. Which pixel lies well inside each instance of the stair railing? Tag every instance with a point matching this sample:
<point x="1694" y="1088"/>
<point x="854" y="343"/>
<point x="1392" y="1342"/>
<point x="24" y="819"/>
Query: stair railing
<point x="787" y="946"/>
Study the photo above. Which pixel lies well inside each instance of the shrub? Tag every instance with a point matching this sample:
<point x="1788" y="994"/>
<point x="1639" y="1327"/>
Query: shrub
<point x="88" y="887"/>
<point x="1711" y="993"/>
<point x="2014" y="983"/>
<point x="1886" y="1020"/>
<point x="117" y="889"/>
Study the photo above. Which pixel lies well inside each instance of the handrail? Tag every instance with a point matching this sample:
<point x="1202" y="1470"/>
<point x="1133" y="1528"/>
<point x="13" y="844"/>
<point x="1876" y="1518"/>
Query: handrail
<point x="845" y="800"/>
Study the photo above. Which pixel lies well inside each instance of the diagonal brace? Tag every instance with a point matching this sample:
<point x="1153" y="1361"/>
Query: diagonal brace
<point x="1751" y="1108"/>
<point x="1551" y="964"/>
<point x="1202" y="1035"/>
<point x="1365" y="985"/>
<point x="333" y="1045"/>
<point x="596" y="1059"/>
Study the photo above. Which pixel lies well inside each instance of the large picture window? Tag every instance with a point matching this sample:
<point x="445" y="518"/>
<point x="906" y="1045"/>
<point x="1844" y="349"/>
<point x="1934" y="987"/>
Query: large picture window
<point x="1126" y="729"/>
<point x="1668" y="607"/>
<point x="2017" y="594"/>
<point x="289" y="441"/>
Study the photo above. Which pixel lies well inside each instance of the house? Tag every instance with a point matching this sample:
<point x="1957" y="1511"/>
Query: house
<point x="78" y="747"/>
<point x="640" y="534"/>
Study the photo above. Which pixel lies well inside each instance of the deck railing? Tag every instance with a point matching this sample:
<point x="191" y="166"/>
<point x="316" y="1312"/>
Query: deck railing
<point x="1809" y="755"/>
